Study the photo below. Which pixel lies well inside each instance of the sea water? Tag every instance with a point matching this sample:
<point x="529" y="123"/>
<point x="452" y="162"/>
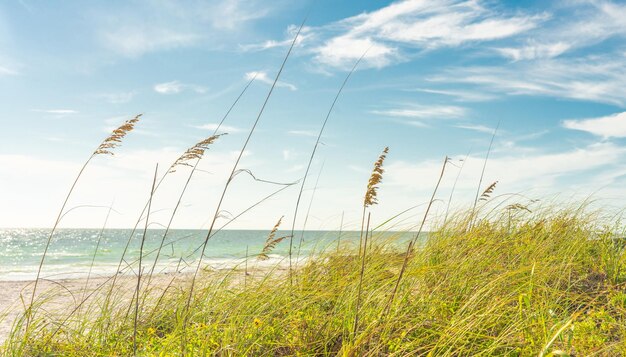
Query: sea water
<point x="72" y="251"/>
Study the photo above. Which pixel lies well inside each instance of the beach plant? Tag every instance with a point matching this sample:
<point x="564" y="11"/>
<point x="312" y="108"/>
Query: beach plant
<point x="271" y="241"/>
<point x="312" y="156"/>
<point x="484" y="168"/>
<point x="106" y="147"/>
<point x="230" y="179"/>
<point x="535" y="288"/>
<point x="143" y="240"/>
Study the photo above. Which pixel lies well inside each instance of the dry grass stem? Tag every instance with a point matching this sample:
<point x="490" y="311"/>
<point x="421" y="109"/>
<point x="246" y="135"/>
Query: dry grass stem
<point x="375" y="180"/>
<point x="115" y="139"/>
<point x="195" y="152"/>
<point x="488" y="191"/>
<point x="271" y="241"/>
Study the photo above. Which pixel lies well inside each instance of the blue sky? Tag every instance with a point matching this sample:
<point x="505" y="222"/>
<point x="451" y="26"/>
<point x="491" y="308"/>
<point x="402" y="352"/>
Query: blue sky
<point x="438" y="77"/>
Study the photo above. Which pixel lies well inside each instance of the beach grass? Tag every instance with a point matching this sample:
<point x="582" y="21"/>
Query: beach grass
<point x="549" y="283"/>
<point x="493" y="280"/>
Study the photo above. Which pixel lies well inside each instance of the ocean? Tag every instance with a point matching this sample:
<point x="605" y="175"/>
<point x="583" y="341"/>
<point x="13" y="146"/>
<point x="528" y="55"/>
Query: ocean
<point x="71" y="251"/>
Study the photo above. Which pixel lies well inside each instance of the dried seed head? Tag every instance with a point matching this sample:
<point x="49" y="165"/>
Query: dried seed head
<point x="488" y="191"/>
<point x="194" y="152"/>
<point x="375" y="179"/>
<point x="271" y="241"/>
<point x="115" y="139"/>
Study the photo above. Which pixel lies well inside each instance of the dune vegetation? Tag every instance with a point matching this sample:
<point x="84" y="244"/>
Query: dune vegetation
<point x="549" y="283"/>
<point x="514" y="280"/>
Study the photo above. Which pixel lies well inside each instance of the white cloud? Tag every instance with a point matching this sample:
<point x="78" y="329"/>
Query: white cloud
<point x="479" y="128"/>
<point x="232" y="14"/>
<point x="5" y="71"/>
<point x="345" y="50"/>
<point x="460" y="95"/>
<point x="56" y="111"/>
<point x="598" y="78"/>
<point x="119" y="98"/>
<point x="606" y="127"/>
<point x="223" y="128"/>
<point x="134" y="41"/>
<point x="424" y="112"/>
<point x="305" y="35"/>
<point x="421" y="24"/>
<point x="261" y="76"/>
<point x="308" y="133"/>
<point x="515" y="172"/>
<point x="168" y="87"/>
<point x="146" y="26"/>
<point x="589" y="22"/>
<point x="578" y="24"/>
<point x="175" y="87"/>
<point x="534" y="51"/>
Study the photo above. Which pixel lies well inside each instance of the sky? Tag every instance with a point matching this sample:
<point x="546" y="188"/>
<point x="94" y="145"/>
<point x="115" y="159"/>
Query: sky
<point x="437" y="79"/>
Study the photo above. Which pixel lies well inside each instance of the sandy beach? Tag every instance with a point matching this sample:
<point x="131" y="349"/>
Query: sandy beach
<point x="64" y="295"/>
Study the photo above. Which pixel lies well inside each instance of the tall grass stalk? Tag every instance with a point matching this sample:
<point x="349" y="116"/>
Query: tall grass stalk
<point x="482" y="173"/>
<point x="371" y="192"/>
<point x="105" y="148"/>
<point x="195" y="165"/>
<point x="411" y="244"/>
<point x="456" y="180"/>
<point x="357" y="308"/>
<point x="308" y="212"/>
<point x="538" y="286"/>
<point x="95" y="251"/>
<point x="308" y="166"/>
<point x="196" y="152"/>
<point x="340" y="231"/>
<point x="143" y="240"/>
<point x="230" y="178"/>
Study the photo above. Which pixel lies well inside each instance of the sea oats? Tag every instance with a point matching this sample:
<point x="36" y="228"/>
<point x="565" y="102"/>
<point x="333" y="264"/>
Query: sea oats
<point x="488" y="191"/>
<point x="194" y="153"/>
<point x="375" y="179"/>
<point x="115" y="139"/>
<point x="271" y="241"/>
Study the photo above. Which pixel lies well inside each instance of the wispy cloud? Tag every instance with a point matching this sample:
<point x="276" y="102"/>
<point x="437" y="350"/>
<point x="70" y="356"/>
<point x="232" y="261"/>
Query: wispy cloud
<point x="460" y="95"/>
<point x="305" y="35"/>
<point x="515" y="171"/>
<point x="343" y="51"/>
<point x="223" y="128"/>
<point x="56" y="111"/>
<point x="172" y="87"/>
<point x="309" y="133"/>
<point x="6" y="71"/>
<point x="118" y="98"/>
<point x="534" y="51"/>
<point x="418" y="24"/>
<point x="146" y="26"/>
<point x="479" y="128"/>
<point x="424" y="112"/>
<point x="611" y="126"/>
<point x="598" y="78"/>
<point x="175" y="87"/>
<point x="262" y="76"/>
<point x="133" y="41"/>
<point x="576" y="24"/>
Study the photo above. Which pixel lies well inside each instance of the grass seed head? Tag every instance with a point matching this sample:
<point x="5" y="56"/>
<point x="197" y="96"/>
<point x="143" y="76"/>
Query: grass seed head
<point x="375" y="179"/>
<point x="115" y="139"/>
<point x="195" y="152"/>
